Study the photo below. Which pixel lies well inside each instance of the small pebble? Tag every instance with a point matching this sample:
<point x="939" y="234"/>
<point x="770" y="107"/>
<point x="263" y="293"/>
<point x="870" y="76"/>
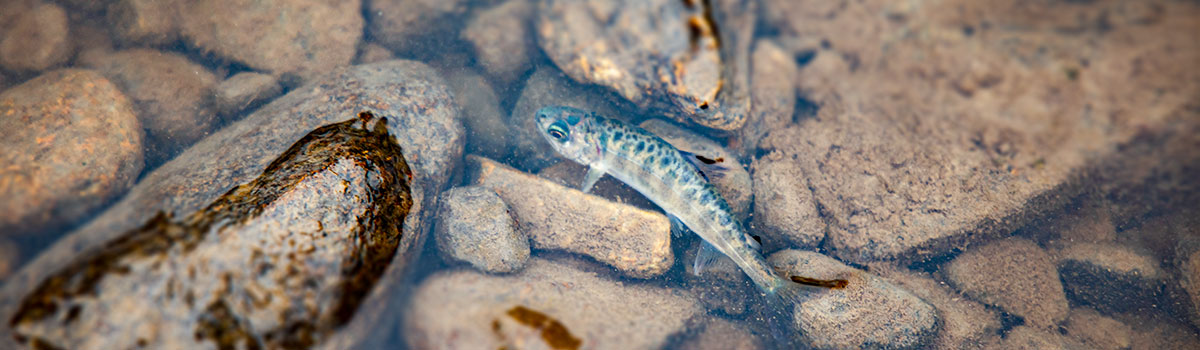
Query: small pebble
<point x="475" y="226"/>
<point x="1014" y="274"/>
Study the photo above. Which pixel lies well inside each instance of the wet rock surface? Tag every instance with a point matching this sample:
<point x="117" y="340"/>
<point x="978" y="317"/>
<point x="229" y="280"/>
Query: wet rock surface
<point x="556" y="304"/>
<point x="476" y="227"/>
<point x="37" y="40"/>
<point x="1111" y="277"/>
<point x="306" y="38"/>
<point x="171" y="94"/>
<point x="633" y="240"/>
<point x="257" y="268"/>
<point x="938" y="127"/>
<point x="243" y="92"/>
<point x="869" y="312"/>
<point x="73" y="144"/>
<point x="966" y="324"/>
<point x="502" y="38"/>
<point x="683" y="59"/>
<point x="547" y="87"/>
<point x="784" y="208"/>
<point x="733" y="183"/>
<point x="1015" y="275"/>
<point x="422" y="117"/>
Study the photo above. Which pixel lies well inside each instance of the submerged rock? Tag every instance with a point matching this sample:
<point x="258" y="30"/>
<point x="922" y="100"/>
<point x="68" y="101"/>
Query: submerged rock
<point x="1033" y="338"/>
<point x="502" y="39"/>
<point x="281" y="261"/>
<point x="403" y="25"/>
<point x="72" y="144"/>
<point x="244" y="92"/>
<point x="1097" y="331"/>
<point x="147" y="22"/>
<point x="38" y="39"/>
<point x="422" y="116"/>
<point x="720" y="334"/>
<point x="475" y="226"/>
<point x="1111" y="277"/>
<point x="9" y="257"/>
<point x="171" y="94"/>
<point x="869" y="313"/>
<point x="307" y="38"/>
<point x="784" y="208"/>
<point x="488" y="127"/>
<point x="635" y="241"/>
<point x="550" y="304"/>
<point x="966" y="324"/>
<point x="1015" y="275"/>
<point x="684" y="59"/>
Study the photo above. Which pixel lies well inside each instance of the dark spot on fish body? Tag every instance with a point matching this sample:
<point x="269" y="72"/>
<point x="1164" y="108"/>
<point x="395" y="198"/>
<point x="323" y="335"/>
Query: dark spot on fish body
<point x="554" y="332"/>
<point x="641" y="146"/>
<point x="617" y="136"/>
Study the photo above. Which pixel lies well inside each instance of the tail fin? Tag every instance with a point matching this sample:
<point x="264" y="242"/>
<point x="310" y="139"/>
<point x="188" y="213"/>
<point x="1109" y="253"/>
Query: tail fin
<point x="782" y="301"/>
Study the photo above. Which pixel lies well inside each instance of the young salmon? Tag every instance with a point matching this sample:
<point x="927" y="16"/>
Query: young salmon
<point x="673" y="180"/>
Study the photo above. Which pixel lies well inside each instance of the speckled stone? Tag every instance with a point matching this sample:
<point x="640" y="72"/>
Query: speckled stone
<point x="966" y="323"/>
<point x="476" y="227"/>
<point x="784" y="208"/>
<point x="74" y="143"/>
<point x="244" y="92"/>
<point x="1097" y="331"/>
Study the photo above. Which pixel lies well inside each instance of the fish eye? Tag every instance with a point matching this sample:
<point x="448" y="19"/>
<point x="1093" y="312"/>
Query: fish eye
<point x="558" y="130"/>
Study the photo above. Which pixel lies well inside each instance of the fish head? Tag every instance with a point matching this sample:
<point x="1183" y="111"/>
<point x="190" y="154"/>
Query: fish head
<point x="567" y="130"/>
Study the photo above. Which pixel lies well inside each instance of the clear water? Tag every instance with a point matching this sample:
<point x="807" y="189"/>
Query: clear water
<point x="1152" y="214"/>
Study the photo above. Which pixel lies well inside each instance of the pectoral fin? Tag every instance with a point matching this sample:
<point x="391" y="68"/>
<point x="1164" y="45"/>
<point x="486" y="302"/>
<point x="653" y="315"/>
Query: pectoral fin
<point x="677" y="228"/>
<point x="704" y="257"/>
<point x="710" y="168"/>
<point x="593" y="174"/>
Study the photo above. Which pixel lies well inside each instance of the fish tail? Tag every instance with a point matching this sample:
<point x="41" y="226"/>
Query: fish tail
<point x="782" y="300"/>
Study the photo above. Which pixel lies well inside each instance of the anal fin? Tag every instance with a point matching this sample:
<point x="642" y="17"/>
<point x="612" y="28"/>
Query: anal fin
<point x="705" y="257"/>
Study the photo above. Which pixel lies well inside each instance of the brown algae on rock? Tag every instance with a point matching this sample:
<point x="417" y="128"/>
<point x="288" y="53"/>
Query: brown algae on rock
<point x="260" y="267"/>
<point x="554" y="333"/>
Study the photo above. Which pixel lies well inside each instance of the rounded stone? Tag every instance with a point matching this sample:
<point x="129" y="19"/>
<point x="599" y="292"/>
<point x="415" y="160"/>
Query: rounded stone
<point x="1015" y="275"/>
<point x="475" y="226"/>
<point x="501" y="37"/>
<point x="244" y="91"/>
<point x="869" y="313"/>
<point x="171" y="94"/>
<point x="72" y="144"/>
<point x="38" y="39"/>
<point x="784" y="208"/>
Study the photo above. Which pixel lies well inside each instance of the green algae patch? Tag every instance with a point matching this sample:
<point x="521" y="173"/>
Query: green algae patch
<point x="279" y="262"/>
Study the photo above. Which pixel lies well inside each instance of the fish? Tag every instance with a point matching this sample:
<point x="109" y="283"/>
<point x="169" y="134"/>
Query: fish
<point x="677" y="181"/>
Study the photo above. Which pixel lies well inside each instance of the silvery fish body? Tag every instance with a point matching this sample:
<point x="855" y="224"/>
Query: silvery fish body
<point x="664" y="175"/>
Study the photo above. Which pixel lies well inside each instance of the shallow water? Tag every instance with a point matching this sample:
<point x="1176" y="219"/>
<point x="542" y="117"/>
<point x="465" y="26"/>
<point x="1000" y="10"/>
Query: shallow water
<point x="984" y="175"/>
